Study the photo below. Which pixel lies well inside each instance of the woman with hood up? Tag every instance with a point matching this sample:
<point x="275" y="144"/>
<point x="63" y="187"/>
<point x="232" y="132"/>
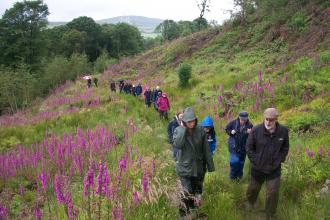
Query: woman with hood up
<point x="208" y="127"/>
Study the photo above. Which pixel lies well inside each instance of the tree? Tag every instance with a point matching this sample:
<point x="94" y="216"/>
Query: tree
<point x="200" y="23"/>
<point x="93" y="32"/>
<point x="126" y="39"/>
<point x="21" y="37"/>
<point x="74" y="41"/>
<point x="203" y="6"/>
<point x="169" y="29"/>
<point x="187" y="27"/>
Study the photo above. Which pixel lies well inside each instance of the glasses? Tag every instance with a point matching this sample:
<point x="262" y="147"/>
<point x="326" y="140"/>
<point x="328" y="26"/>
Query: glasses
<point x="270" y="119"/>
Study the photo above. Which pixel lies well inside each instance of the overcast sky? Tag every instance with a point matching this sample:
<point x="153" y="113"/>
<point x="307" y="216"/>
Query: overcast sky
<point x="66" y="10"/>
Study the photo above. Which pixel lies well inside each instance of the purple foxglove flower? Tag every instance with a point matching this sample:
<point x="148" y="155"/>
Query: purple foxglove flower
<point x="106" y="180"/>
<point x="69" y="205"/>
<point x="145" y="183"/>
<point x="135" y="196"/>
<point x="320" y="151"/>
<point x="309" y="153"/>
<point x="43" y="179"/>
<point x="3" y="212"/>
<point x="37" y="213"/>
<point x="58" y="187"/>
<point x="329" y="153"/>
<point x="122" y="164"/>
<point x="100" y="179"/>
<point x="220" y="99"/>
<point x="89" y="181"/>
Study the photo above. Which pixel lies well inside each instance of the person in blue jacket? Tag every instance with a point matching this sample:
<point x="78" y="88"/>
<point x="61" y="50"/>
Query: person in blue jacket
<point x="238" y="131"/>
<point x="138" y="90"/>
<point x="208" y="127"/>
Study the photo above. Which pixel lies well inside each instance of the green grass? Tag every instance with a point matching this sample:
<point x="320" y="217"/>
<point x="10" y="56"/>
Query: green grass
<point x="227" y="59"/>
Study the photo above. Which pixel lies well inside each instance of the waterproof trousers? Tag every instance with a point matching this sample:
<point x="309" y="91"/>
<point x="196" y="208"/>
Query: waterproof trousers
<point x="236" y="166"/>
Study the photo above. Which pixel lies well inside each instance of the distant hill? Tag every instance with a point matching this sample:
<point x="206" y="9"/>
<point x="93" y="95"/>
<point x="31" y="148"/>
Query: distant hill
<point x="144" y="24"/>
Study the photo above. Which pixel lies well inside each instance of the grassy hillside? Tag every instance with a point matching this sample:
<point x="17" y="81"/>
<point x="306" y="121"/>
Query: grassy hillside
<point x="55" y="157"/>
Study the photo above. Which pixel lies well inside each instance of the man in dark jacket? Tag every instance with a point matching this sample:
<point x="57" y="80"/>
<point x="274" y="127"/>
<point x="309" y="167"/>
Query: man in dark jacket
<point x="112" y="86"/>
<point x="138" y="90"/>
<point x="174" y="123"/>
<point x="267" y="147"/>
<point x="121" y="86"/>
<point x="147" y="97"/>
<point x="238" y="131"/>
<point x="193" y="158"/>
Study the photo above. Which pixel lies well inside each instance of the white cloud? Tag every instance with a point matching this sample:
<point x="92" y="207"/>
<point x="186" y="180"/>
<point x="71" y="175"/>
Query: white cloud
<point x="66" y="10"/>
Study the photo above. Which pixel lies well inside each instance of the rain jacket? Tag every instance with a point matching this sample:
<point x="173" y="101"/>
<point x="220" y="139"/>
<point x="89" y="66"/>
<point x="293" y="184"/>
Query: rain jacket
<point x="138" y="90"/>
<point x="237" y="141"/>
<point x="147" y="96"/>
<point x="194" y="154"/>
<point x="211" y="137"/>
<point x="163" y="104"/>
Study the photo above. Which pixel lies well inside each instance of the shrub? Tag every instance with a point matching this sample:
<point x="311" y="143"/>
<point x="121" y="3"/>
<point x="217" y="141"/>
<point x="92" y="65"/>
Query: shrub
<point x="325" y="57"/>
<point x="184" y="73"/>
<point x="103" y="62"/>
<point x="302" y="121"/>
<point x="297" y="22"/>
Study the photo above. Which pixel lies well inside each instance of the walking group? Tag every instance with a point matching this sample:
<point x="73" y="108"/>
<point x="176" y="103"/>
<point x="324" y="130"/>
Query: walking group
<point x="266" y="145"/>
<point x="193" y="146"/>
<point x="155" y="97"/>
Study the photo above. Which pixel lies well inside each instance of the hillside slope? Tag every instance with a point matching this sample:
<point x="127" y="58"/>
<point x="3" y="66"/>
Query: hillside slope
<point x="83" y="154"/>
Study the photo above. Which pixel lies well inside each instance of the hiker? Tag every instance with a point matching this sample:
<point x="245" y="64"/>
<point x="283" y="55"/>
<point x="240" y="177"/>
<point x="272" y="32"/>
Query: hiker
<point x="147" y="97"/>
<point x="208" y="127"/>
<point x="156" y="94"/>
<point x="133" y="90"/>
<point x="193" y="157"/>
<point x="163" y="106"/>
<point x="121" y="86"/>
<point x="95" y="80"/>
<point x="89" y="82"/>
<point x="238" y="131"/>
<point x="267" y="147"/>
<point x="113" y="86"/>
<point x="138" y="90"/>
<point x="174" y="123"/>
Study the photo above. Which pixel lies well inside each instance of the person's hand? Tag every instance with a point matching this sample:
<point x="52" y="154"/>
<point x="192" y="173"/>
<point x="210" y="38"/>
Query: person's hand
<point x="233" y="132"/>
<point x="248" y="131"/>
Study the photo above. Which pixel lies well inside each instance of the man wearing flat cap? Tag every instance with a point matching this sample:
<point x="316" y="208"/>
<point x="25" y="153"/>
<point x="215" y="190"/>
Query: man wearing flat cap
<point x="267" y="147"/>
<point x="193" y="158"/>
<point x="238" y="131"/>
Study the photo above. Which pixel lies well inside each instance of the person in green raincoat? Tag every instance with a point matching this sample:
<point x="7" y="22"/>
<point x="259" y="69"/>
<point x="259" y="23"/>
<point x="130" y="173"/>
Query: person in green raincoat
<point x="193" y="158"/>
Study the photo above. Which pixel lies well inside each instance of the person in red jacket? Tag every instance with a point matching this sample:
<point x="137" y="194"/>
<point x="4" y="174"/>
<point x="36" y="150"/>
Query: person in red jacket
<point x="163" y="106"/>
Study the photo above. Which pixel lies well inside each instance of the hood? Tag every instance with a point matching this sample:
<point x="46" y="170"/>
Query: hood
<point x="207" y="122"/>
